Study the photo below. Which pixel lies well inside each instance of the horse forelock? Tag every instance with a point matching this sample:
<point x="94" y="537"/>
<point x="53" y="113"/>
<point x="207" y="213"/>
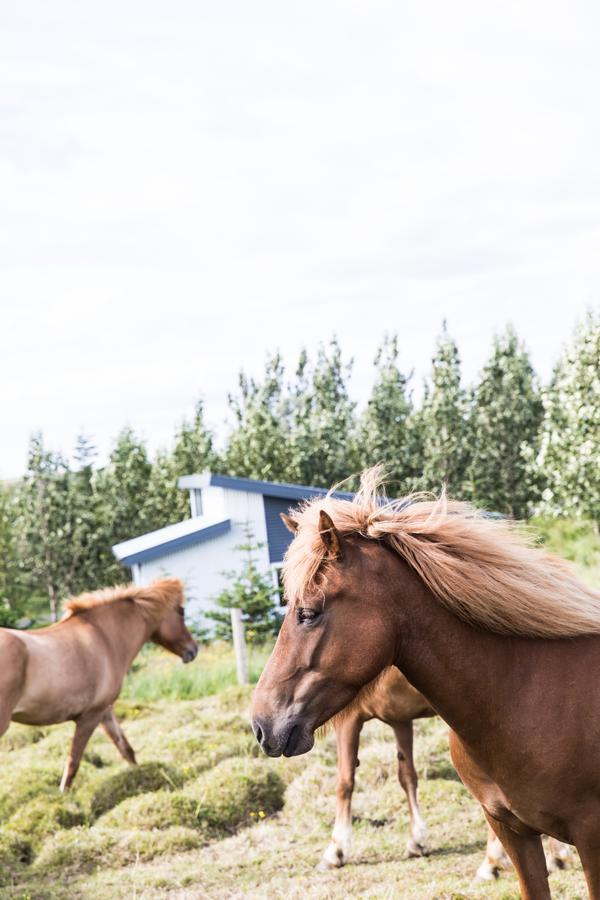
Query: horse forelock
<point x="153" y="600"/>
<point x="485" y="570"/>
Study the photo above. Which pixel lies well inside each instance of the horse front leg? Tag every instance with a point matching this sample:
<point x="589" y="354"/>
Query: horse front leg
<point x="495" y="858"/>
<point x="407" y="776"/>
<point x="527" y="855"/>
<point x="347" y="734"/>
<point x="112" y="728"/>
<point x="84" y="728"/>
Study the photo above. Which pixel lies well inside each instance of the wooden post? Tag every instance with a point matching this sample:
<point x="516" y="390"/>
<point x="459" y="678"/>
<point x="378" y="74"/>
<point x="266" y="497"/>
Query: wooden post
<point x="239" y="645"/>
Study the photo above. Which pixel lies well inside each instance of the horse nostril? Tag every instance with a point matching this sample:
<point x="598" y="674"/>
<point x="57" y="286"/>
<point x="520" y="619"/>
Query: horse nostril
<point x="258" y="733"/>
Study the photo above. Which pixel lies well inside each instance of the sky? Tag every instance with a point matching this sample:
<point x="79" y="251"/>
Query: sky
<point x="186" y="187"/>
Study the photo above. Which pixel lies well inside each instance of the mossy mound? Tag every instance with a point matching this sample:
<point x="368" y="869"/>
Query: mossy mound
<point x="159" y="810"/>
<point x="44" y="816"/>
<point x="234" y="793"/>
<point x="15" y="852"/>
<point x="142" y="779"/>
<point x="26" y="784"/>
<point x="19" y="736"/>
<point x="86" y="849"/>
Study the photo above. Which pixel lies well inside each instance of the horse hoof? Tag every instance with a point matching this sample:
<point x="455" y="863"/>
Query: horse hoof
<point x="486" y="872"/>
<point x="333" y="858"/>
<point x="414" y="849"/>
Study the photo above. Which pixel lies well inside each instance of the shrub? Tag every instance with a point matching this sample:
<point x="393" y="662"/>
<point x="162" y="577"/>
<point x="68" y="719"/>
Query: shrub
<point x="145" y="778"/>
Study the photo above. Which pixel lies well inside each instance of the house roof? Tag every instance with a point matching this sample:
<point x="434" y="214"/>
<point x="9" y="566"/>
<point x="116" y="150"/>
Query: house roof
<point x="166" y="540"/>
<point x="158" y="543"/>
<point x="266" y="488"/>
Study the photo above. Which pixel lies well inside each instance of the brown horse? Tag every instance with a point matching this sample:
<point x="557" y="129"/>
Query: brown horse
<point x="393" y="700"/>
<point x="73" y="671"/>
<point x="501" y="637"/>
<point x="396" y="702"/>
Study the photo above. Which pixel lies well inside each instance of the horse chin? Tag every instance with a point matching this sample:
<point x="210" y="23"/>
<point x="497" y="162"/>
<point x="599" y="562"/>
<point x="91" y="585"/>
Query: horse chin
<point x="300" y="740"/>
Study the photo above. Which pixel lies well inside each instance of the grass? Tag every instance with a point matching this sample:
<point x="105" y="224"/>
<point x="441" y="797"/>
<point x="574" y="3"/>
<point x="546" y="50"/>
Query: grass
<point x="204" y="816"/>
<point x="156" y="676"/>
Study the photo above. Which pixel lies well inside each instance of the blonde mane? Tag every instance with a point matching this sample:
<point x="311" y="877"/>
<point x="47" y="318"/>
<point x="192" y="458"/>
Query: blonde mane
<point x="153" y="600"/>
<point x="485" y="570"/>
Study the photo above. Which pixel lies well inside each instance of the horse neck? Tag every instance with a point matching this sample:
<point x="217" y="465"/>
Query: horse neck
<point x="124" y="627"/>
<point x="460" y="669"/>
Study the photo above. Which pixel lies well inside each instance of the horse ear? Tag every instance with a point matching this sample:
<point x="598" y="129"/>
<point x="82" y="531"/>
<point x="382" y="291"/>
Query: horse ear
<point x="329" y="535"/>
<point x="289" y="523"/>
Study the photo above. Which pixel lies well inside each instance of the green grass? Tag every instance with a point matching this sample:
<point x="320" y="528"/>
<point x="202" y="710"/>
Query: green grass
<point x="156" y="675"/>
<point x="243" y="826"/>
<point x="577" y="541"/>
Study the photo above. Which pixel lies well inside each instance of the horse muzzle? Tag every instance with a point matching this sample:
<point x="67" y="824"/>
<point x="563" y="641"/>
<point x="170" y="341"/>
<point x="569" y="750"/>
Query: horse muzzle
<point x="292" y="738"/>
<point x="190" y="654"/>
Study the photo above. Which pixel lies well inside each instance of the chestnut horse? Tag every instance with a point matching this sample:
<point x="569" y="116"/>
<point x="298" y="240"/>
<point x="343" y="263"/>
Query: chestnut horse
<point x="396" y="702"/>
<point x="500" y="637"/>
<point x="73" y="670"/>
<point x="393" y="700"/>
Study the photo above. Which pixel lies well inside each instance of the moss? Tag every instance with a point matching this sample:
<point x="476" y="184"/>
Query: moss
<point x="235" y="792"/>
<point x="161" y="809"/>
<point x="26" y="784"/>
<point x="86" y="849"/>
<point x="15" y="852"/>
<point x="152" y="776"/>
<point x="83" y="848"/>
<point x="44" y="816"/>
<point x="19" y="736"/>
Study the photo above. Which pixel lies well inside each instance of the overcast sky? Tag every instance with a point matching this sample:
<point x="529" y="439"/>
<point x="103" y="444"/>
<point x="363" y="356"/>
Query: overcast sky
<point x="187" y="186"/>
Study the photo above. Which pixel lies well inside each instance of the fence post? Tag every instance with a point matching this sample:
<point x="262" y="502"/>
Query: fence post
<point x="239" y="645"/>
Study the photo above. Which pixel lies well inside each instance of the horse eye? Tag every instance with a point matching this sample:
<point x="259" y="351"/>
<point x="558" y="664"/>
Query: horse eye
<point x="305" y="614"/>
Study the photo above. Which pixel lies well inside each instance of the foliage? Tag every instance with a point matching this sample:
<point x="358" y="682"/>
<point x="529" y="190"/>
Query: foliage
<point x="570" y="440"/>
<point x="386" y="432"/>
<point x="497" y="444"/>
<point x="323" y="419"/>
<point x="252" y="591"/>
<point x="442" y="422"/>
<point x="503" y="435"/>
<point x="259" y="444"/>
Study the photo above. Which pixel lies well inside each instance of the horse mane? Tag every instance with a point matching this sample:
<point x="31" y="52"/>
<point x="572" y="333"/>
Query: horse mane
<point x="486" y="570"/>
<point x="153" y="600"/>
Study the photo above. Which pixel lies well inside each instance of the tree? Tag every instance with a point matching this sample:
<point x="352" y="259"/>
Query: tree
<point x="10" y="575"/>
<point x="194" y="450"/>
<point x="385" y="432"/>
<point x="323" y="419"/>
<point x="252" y="591"/>
<point x="442" y="421"/>
<point x="569" y="454"/>
<point x="42" y="523"/>
<point x="259" y="446"/>
<point x="123" y="488"/>
<point x="504" y="426"/>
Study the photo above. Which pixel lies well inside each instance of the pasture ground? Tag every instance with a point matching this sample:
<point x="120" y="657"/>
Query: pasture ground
<point x="204" y="819"/>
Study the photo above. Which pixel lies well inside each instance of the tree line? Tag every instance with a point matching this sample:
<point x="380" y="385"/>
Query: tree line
<point x="506" y="443"/>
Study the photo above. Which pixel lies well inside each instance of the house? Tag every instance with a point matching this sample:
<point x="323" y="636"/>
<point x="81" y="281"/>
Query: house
<point x="200" y="549"/>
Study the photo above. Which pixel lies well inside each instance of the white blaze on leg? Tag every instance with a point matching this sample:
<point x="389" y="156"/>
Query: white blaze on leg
<point x="558" y="855"/>
<point x="417" y="845"/>
<point x="495" y="860"/>
<point x="338" y="851"/>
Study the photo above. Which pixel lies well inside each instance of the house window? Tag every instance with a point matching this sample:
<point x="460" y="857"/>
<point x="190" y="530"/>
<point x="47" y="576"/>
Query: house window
<point x="196" y="502"/>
